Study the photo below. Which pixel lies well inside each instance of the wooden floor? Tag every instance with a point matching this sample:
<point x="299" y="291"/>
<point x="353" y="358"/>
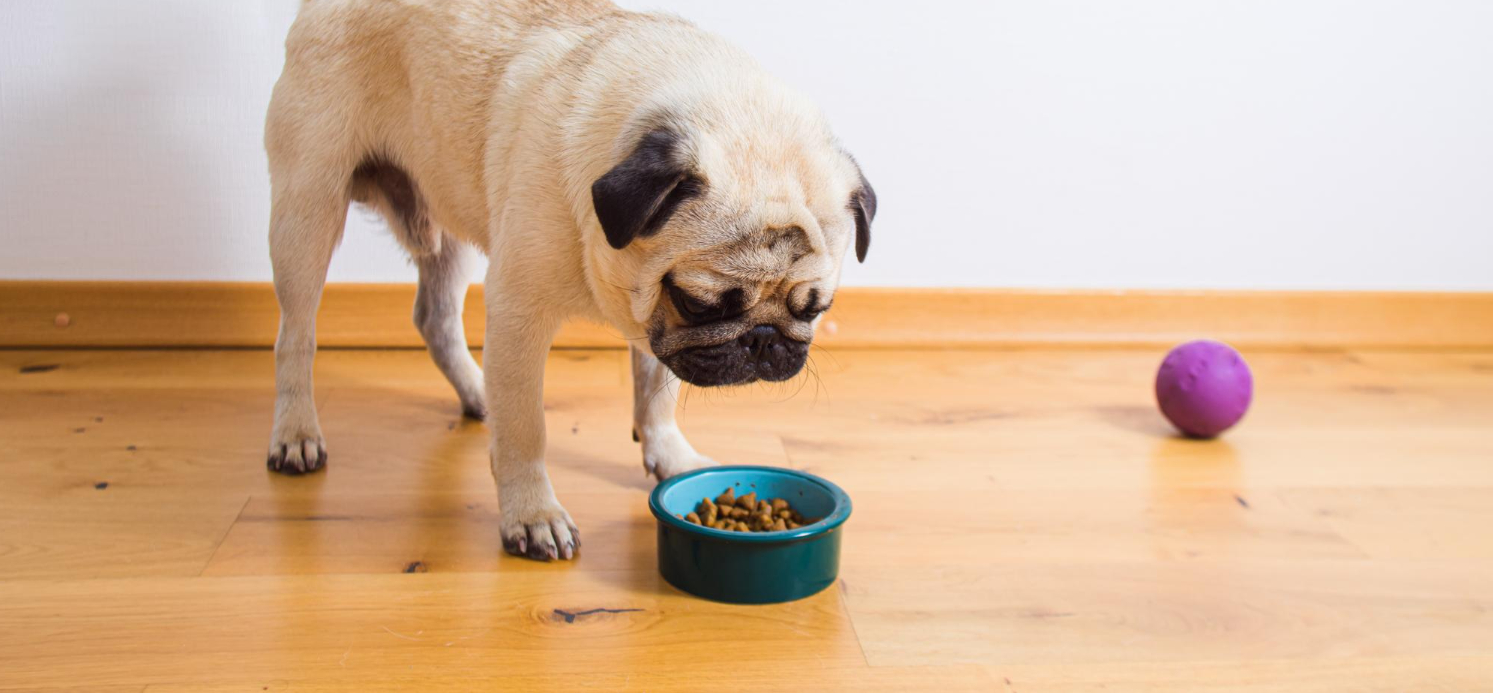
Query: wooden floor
<point x="1024" y="522"/>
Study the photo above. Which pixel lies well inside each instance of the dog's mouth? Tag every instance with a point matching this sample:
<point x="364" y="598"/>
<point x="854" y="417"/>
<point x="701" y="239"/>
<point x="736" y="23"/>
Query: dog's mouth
<point x="762" y="353"/>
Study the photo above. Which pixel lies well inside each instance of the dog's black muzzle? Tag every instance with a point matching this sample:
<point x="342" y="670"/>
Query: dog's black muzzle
<point x="763" y="353"/>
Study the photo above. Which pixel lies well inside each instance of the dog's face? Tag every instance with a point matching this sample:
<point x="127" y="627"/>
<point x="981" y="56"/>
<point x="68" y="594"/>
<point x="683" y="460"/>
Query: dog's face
<point x="741" y="243"/>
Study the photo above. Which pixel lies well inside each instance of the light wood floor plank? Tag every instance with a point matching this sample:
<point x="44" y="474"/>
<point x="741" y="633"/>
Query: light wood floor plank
<point x="687" y="678"/>
<point x="1335" y="675"/>
<point x="1177" y="611"/>
<point x="366" y="627"/>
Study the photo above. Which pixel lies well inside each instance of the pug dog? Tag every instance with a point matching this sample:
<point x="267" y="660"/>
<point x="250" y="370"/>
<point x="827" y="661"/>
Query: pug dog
<point x="615" y="166"/>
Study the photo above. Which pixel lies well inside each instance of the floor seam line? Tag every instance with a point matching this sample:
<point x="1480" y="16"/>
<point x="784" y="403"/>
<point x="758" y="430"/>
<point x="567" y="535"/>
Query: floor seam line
<point x="854" y="629"/>
<point x="219" y="544"/>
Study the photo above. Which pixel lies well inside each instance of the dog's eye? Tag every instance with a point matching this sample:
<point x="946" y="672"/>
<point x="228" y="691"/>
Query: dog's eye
<point x="811" y="308"/>
<point x="808" y="314"/>
<point x="690" y="308"/>
<point x="693" y="308"/>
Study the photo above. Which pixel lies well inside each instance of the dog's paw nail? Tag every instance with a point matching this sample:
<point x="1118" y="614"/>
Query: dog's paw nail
<point x="517" y="546"/>
<point x="635" y="437"/>
<point x="542" y="552"/>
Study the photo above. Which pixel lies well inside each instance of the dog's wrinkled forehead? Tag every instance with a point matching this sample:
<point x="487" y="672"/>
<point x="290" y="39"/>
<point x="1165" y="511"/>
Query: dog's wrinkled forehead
<point x="704" y="190"/>
<point x="760" y="265"/>
<point x="759" y="255"/>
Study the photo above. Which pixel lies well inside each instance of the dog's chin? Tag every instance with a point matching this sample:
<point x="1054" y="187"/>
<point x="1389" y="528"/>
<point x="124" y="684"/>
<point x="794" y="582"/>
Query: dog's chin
<point x="727" y="365"/>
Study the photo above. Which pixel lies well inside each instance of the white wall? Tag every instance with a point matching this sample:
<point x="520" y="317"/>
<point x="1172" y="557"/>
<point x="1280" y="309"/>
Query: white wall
<point x="1150" y="143"/>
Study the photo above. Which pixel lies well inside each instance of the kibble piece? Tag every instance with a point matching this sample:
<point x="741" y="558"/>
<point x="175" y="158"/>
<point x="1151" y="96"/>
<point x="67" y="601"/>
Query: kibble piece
<point x="764" y="507"/>
<point x="692" y="518"/>
<point x="749" y="501"/>
<point x="779" y="504"/>
<point x="792" y="525"/>
<point x="779" y="525"/>
<point x="727" y="498"/>
<point x="710" y="515"/>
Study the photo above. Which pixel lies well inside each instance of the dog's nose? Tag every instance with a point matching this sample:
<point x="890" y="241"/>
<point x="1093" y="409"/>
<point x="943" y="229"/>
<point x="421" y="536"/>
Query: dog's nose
<point x="760" y="339"/>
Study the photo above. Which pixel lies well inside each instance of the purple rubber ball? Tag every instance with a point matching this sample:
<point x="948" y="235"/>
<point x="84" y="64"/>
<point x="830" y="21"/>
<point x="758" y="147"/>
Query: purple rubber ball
<point x="1203" y="388"/>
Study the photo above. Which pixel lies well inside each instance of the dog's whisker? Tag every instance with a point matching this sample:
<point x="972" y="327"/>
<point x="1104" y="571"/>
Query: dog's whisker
<point x="818" y="381"/>
<point x="619" y="287"/>
<point x="803" y="379"/>
<point x="663" y="386"/>
<point x="824" y="350"/>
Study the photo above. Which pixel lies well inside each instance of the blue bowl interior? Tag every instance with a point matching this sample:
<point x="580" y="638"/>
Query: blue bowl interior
<point x="807" y="495"/>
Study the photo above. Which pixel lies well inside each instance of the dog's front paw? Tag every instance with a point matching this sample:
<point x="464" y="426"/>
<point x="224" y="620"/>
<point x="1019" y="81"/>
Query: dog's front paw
<point x="297" y="450"/>
<point x="543" y="532"/>
<point x="667" y="454"/>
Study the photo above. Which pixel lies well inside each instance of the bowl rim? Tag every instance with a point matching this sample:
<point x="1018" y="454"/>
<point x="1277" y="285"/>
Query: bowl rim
<point x="828" y="523"/>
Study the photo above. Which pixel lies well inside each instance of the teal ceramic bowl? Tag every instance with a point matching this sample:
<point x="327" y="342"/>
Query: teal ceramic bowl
<point x="749" y="567"/>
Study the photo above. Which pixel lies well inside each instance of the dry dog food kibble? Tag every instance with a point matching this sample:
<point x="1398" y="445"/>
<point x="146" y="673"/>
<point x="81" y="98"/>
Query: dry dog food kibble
<point x="747" y="514"/>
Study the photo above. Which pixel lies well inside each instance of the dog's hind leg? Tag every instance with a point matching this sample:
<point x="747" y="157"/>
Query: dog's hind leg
<point x="307" y="213"/>
<point x="438" y="306"/>
<point x="388" y="188"/>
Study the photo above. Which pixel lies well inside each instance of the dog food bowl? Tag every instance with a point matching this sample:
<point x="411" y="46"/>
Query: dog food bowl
<point x="749" y="567"/>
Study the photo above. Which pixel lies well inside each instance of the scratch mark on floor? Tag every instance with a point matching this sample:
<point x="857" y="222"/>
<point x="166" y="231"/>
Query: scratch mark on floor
<point x="399" y="635"/>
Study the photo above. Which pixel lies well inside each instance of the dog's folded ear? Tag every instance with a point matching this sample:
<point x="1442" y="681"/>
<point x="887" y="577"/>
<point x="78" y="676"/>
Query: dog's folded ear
<point x="638" y="196"/>
<point x="863" y="206"/>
